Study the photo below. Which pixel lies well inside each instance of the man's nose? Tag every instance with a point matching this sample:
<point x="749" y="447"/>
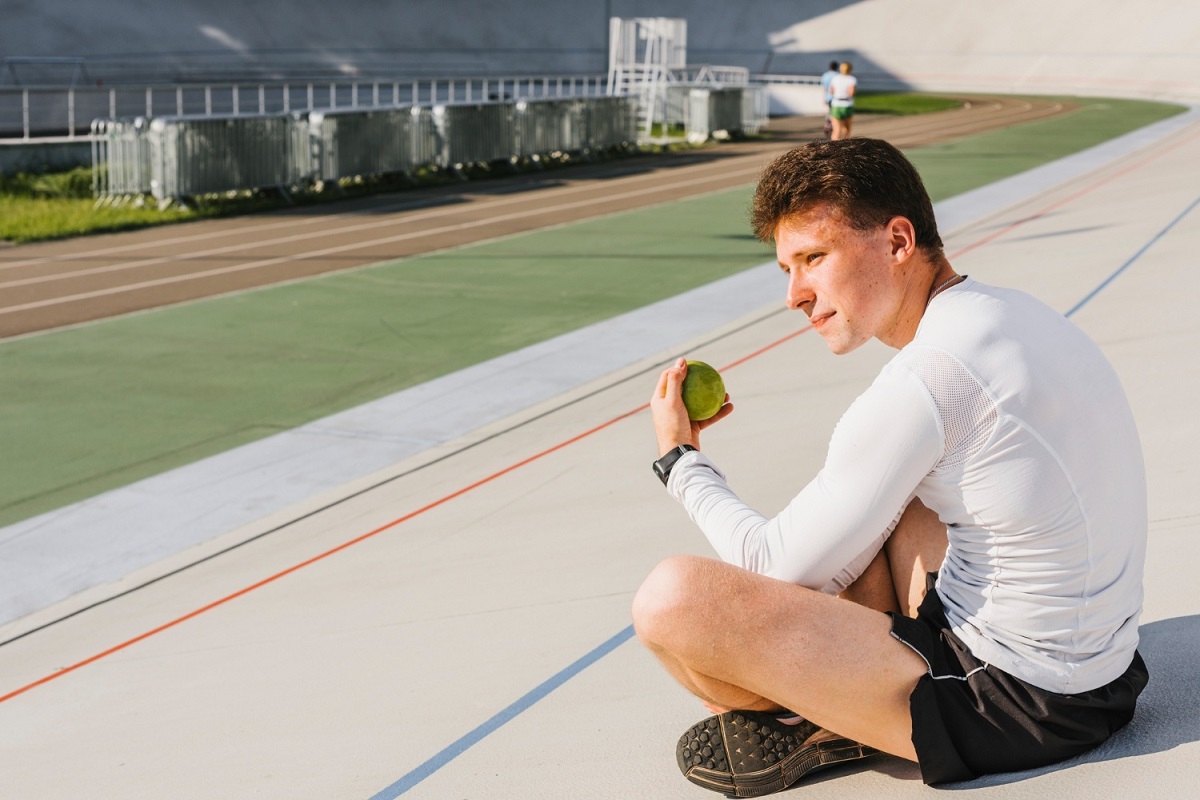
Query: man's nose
<point x="798" y="292"/>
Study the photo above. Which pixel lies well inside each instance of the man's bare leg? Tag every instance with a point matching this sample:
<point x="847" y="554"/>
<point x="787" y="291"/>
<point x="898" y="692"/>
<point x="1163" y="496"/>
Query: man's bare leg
<point x="916" y="548"/>
<point x="894" y="581"/>
<point x="874" y="588"/>
<point x="737" y="639"/>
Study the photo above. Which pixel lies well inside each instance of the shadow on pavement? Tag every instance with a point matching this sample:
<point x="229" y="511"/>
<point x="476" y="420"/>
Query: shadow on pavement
<point x="1168" y="712"/>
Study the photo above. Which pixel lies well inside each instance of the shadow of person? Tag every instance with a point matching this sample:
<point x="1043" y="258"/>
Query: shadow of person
<point x="1168" y="712"/>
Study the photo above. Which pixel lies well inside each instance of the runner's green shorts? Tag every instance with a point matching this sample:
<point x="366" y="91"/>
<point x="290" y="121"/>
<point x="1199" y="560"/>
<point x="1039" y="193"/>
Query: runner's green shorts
<point x="841" y="112"/>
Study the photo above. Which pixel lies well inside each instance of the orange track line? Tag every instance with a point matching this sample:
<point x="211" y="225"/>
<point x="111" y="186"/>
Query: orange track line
<point x="246" y="590"/>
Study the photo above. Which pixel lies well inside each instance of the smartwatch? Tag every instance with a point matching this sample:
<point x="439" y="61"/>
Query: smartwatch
<point x="662" y="467"/>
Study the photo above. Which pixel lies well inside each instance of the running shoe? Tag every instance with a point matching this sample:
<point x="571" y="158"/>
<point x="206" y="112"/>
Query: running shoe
<point x="752" y="753"/>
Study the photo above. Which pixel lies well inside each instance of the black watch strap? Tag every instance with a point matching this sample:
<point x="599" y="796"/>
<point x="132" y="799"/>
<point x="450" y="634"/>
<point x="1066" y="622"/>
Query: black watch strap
<point x="662" y="467"/>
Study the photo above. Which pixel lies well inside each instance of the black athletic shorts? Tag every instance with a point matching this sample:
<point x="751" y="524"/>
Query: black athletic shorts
<point x="985" y="721"/>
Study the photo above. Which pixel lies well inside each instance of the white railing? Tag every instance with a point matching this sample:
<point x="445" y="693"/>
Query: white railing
<point x="801" y="80"/>
<point x="29" y="112"/>
<point x="715" y="75"/>
<point x="57" y="113"/>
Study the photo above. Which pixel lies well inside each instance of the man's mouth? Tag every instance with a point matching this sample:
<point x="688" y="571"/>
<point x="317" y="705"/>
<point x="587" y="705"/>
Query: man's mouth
<point x="817" y="320"/>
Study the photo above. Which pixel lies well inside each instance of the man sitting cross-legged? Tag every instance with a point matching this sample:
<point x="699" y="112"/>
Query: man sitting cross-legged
<point x="961" y="582"/>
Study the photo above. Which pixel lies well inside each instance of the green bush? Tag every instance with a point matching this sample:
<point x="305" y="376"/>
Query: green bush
<point x="75" y="183"/>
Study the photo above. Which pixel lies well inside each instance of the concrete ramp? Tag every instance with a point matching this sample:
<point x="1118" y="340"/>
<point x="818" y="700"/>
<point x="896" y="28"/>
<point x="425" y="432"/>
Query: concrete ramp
<point x="1024" y="46"/>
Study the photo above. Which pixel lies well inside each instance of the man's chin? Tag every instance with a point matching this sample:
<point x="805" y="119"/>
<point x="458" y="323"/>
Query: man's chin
<point x="839" y="346"/>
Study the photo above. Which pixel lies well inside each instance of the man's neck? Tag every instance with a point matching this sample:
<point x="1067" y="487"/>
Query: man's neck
<point x="924" y="279"/>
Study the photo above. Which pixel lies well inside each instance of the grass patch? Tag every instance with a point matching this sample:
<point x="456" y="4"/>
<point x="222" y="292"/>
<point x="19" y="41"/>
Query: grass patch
<point x="902" y="103"/>
<point x="51" y="205"/>
<point x="39" y="207"/>
<point x="37" y="219"/>
<point x="75" y="183"/>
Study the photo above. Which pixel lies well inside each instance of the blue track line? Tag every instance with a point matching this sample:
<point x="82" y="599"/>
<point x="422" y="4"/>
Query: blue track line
<point x="454" y="750"/>
<point x="1132" y="259"/>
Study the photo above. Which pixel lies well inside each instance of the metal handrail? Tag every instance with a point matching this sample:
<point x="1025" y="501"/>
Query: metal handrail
<point x="715" y="75"/>
<point x="803" y="80"/>
<point x="68" y="110"/>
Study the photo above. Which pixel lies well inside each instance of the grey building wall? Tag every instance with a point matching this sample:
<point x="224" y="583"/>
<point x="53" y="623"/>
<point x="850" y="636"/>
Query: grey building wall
<point x="179" y="39"/>
<point x="1149" y="49"/>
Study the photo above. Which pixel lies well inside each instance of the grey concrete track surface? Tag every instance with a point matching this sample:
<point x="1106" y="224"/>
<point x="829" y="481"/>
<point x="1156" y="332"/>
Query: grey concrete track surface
<point x="385" y="641"/>
<point x="48" y="285"/>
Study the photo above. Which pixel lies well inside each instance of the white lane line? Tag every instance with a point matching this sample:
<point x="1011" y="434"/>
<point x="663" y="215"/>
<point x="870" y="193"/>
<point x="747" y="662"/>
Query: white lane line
<point x="399" y="207"/>
<point x="354" y="246"/>
<point x="317" y="234"/>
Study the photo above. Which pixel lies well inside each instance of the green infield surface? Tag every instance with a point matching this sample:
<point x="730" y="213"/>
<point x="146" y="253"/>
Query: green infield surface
<point x="92" y="408"/>
<point x="957" y="167"/>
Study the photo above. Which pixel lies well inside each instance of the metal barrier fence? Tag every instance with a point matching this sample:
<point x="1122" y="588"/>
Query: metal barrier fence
<point x="756" y="109"/>
<point x="549" y="126"/>
<point x="123" y="150"/>
<point x="173" y="157"/>
<point x="705" y="110"/>
<point x="724" y="110"/>
<point x="468" y="133"/>
<point x="612" y="120"/>
<point x="337" y="144"/>
<point x="201" y="155"/>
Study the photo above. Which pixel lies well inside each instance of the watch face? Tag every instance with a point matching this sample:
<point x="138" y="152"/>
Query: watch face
<point x="662" y="467"/>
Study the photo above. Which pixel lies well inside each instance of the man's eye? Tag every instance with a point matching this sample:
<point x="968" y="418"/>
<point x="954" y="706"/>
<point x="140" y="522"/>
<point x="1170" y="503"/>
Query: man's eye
<point x="813" y="257"/>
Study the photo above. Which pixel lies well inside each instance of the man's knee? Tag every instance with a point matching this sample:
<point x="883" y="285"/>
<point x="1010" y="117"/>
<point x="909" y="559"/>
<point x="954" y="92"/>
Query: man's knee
<point x="666" y="597"/>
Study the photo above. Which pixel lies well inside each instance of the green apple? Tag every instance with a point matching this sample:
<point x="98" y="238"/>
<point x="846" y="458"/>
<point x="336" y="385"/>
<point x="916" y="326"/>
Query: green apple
<point x="703" y="391"/>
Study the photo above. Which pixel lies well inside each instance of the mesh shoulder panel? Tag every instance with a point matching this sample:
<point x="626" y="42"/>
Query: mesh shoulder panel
<point x="968" y="413"/>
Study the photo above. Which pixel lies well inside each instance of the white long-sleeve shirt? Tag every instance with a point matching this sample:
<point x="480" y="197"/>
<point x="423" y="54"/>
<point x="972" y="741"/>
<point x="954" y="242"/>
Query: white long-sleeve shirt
<point x="1007" y="421"/>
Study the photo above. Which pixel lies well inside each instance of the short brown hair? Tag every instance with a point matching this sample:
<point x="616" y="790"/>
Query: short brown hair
<point x="868" y="180"/>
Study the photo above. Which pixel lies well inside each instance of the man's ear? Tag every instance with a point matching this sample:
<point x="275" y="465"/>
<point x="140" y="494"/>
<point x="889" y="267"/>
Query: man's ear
<point x="902" y="238"/>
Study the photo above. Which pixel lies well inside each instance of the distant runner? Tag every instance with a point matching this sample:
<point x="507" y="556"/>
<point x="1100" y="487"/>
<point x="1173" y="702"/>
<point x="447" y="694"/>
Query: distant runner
<point x="960" y="584"/>
<point x="826" y="78"/>
<point x="841" y="102"/>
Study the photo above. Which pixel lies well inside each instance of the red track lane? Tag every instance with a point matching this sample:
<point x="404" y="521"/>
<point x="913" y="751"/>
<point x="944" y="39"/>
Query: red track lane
<point x="513" y="467"/>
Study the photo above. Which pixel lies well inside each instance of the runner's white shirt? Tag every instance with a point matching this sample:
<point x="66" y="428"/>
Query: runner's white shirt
<point x="841" y="90"/>
<point x="1008" y="421"/>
